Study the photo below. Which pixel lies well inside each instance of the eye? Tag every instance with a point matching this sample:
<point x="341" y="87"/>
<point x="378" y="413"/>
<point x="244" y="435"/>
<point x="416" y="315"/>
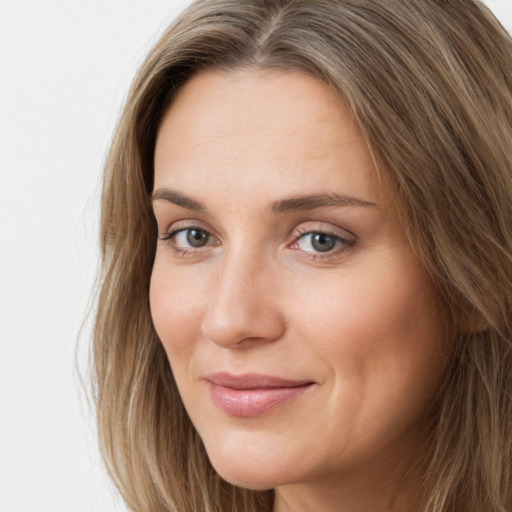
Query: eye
<point x="186" y="239"/>
<point x="321" y="243"/>
<point x="192" y="237"/>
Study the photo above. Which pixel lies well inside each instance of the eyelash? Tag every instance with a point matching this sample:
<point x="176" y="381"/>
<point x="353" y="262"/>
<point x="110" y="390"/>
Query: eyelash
<point x="345" y="243"/>
<point x="181" y="251"/>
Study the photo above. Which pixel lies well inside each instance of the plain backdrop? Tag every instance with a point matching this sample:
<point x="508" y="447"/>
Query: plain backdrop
<point x="65" y="67"/>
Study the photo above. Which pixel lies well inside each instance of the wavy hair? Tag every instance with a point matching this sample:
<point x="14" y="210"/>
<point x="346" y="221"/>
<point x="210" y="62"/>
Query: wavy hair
<point x="430" y="84"/>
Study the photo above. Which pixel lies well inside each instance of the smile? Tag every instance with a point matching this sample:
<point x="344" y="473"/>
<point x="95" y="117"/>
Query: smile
<point x="252" y="395"/>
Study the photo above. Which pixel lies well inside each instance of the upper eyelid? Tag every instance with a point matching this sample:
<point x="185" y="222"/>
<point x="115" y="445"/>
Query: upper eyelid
<point x="315" y="227"/>
<point x="187" y="228"/>
<point x="178" y="225"/>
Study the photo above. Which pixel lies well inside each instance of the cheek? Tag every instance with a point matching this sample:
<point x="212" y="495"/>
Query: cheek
<point x="378" y="329"/>
<point x="379" y="334"/>
<point x="177" y="303"/>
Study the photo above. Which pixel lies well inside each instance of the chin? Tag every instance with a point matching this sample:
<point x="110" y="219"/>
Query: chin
<point x="252" y="485"/>
<point x="242" y="471"/>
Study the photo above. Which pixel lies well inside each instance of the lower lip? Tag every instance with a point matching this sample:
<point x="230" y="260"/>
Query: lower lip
<point x="249" y="403"/>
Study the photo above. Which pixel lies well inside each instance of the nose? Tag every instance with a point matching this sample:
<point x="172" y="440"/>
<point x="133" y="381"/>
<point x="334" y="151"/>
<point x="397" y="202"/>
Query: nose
<point x="244" y="306"/>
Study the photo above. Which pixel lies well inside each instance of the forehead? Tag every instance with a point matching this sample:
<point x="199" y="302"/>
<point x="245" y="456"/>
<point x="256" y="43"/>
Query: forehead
<point x="250" y="129"/>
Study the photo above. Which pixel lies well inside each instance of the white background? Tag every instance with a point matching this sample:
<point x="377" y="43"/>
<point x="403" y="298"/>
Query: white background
<point x="65" y="66"/>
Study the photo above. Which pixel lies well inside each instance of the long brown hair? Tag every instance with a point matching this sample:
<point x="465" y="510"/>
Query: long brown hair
<point x="430" y="83"/>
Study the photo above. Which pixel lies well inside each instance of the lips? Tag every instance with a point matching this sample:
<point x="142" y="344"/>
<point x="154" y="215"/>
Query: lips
<point x="251" y="395"/>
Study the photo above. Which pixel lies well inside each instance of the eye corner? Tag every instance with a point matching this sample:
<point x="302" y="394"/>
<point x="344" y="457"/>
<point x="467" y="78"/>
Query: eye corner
<point x="164" y="237"/>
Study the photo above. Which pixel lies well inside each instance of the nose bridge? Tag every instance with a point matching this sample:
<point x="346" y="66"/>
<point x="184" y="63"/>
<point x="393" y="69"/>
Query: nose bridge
<point x="240" y="307"/>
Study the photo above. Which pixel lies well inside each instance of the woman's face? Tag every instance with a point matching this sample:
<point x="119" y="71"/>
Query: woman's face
<point x="303" y="333"/>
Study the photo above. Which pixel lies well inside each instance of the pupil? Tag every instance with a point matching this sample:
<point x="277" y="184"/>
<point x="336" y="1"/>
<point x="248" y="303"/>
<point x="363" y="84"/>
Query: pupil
<point x="196" y="238"/>
<point x="322" y="242"/>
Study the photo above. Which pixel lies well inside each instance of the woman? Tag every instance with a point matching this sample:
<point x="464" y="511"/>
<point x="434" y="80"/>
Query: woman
<point x="307" y="237"/>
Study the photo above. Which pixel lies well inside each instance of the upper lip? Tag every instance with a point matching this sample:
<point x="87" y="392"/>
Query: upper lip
<point x="253" y="381"/>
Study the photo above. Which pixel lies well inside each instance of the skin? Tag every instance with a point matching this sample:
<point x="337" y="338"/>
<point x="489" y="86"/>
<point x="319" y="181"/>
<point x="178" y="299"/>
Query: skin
<point x="360" y="321"/>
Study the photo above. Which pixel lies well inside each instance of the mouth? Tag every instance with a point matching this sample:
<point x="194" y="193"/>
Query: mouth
<point x="252" y="395"/>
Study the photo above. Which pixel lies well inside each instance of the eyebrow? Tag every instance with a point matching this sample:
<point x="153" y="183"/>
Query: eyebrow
<point x="299" y="203"/>
<point x="177" y="198"/>
<point x="310" y="202"/>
